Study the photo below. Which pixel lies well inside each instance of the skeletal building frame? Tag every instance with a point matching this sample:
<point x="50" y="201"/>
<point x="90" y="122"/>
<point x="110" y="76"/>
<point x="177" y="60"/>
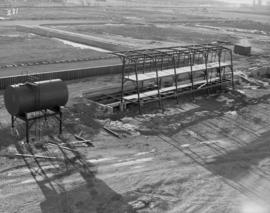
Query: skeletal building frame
<point x="178" y="62"/>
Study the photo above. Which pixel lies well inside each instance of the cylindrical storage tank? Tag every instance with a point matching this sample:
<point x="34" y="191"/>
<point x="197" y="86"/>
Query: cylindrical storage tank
<point x="31" y="97"/>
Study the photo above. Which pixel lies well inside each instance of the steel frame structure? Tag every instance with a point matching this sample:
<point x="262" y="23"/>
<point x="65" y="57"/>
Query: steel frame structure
<point x="179" y="63"/>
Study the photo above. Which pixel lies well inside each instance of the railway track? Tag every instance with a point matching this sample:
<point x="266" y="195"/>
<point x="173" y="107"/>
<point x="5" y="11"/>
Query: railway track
<point x="199" y="160"/>
<point x="209" y="164"/>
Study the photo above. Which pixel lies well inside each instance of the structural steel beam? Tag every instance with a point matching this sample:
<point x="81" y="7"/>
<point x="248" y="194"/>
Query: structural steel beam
<point x="149" y="61"/>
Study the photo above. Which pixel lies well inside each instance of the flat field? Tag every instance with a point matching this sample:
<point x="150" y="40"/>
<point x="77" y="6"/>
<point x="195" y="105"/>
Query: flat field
<point x="25" y="48"/>
<point x="129" y="29"/>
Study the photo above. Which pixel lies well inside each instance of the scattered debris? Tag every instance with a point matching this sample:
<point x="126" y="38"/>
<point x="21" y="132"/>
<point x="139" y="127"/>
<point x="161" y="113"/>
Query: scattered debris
<point x="138" y="204"/>
<point x="202" y="113"/>
<point x="241" y="91"/>
<point x="232" y="113"/>
<point x="82" y="140"/>
<point x="185" y="145"/>
<point x="226" y="99"/>
<point x="111" y="132"/>
<point x="244" y="77"/>
<point x="11" y="150"/>
<point x="30" y="156"/>
<point x="130" y="128"/>
<point x="83" y="143"/>
<point x="192" y="133"/>
<point x="63" y="147"/>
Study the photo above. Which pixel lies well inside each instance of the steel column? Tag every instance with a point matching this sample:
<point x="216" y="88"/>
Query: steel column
<point x="232" y="73"/>
<point x="12" y="121"/>
<point x="27" y="130"/>
<point x="60" y="121"/>
<point x="191" y="73"/>
<point x="206" y="70"/>
<point x="219" y="65"/>
<point x="122" y="83"/>
<point x="175" y="81"/>
<point x="158" y="84"/>
<point x="137" y="87"/>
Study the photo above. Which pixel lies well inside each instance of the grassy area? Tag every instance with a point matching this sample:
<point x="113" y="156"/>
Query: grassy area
<point x="21" y="47"/>
<point x="239" y="24"/>
<point x="164" y="32"/>
<point x="172" y="25"/>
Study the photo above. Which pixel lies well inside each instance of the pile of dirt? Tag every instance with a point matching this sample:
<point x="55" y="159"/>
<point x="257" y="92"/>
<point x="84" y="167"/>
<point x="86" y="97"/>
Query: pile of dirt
<point x="81" y="116"/>
<point x="261" y="73"/>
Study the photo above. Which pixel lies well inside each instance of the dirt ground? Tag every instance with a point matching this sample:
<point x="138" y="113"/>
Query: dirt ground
<point x="207" y="155"/>
<point x="211" y="155"/>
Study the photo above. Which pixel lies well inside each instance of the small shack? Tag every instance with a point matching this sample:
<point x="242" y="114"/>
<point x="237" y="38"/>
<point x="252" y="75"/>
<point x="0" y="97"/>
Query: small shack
<point x="242" y="50"/>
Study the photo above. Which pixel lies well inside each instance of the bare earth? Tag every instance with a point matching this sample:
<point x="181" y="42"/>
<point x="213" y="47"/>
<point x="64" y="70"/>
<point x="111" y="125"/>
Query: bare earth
<point x="210" y="155"/>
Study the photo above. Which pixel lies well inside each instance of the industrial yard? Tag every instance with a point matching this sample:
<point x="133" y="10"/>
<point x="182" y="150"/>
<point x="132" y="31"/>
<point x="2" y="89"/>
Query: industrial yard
<point x="138" y="124"/>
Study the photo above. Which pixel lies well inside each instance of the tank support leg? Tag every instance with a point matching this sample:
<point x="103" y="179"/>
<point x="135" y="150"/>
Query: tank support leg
<point x="12" y="121"/>
<point x="60" y="120"/>
<point x="27" y="130"/>
<point x="45" y="115"/>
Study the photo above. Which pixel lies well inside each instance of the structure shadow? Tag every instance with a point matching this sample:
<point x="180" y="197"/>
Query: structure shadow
<point x="90" y="195"/>
<point x="232" y="166"/>
<point x="238" y="163"/>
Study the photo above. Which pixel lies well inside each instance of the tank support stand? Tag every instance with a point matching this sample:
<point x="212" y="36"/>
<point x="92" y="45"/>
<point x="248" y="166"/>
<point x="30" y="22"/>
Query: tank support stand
<point x="31" y="118"/>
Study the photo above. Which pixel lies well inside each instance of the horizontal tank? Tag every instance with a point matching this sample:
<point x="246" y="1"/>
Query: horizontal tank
<point x="31" y="97"/>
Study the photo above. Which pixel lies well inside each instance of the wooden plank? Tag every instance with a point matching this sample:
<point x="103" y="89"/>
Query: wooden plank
<point x="114" y="104"/>
<point x="82" y="140"/>
<point x="30" y="156"/>
<point x="62" y="147"/>
<point x="84" y="143"/>
<point x="111" y="132"/>
<point x="180" y="70"/>
<point x="166" y="89"/>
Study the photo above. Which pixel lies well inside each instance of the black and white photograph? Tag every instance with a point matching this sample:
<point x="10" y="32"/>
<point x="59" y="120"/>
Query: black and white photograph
<point x="134" y="106"/>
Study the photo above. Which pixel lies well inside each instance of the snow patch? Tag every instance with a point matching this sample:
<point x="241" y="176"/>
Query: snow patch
<point x="254" y="207"/>
<point x="128" y="163"/>
<point x="226" y="99"/>
<point x="100" y="160"/>
<point x="82" y="46"/>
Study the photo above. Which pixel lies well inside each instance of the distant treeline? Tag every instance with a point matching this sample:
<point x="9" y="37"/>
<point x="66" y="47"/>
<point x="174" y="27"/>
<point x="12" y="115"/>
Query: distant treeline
<point x="53" y="3"/>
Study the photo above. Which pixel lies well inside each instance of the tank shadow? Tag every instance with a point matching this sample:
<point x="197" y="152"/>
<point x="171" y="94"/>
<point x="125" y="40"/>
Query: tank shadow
<point x="94" y="196"/>
<point x="8" y="138"/>
<point x="89" y="195"/>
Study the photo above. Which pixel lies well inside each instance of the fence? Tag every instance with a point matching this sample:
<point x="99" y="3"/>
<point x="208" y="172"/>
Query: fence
<point x="65" y="75"/>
